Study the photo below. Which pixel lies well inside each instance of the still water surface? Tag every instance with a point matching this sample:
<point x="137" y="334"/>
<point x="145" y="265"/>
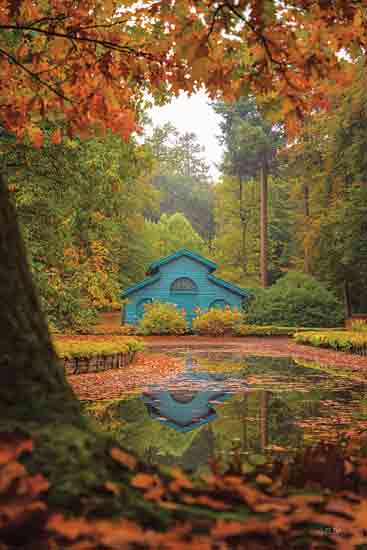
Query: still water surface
<point x="224" y="403"/>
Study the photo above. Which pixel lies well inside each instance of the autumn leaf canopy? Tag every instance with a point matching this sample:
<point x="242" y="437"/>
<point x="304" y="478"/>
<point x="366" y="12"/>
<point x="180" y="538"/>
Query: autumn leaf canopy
<point x="89" y="63"/>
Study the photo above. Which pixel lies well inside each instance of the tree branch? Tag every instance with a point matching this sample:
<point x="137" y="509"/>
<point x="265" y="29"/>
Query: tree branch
<point x="34" y="75"/>
<point x="105" y="43"/>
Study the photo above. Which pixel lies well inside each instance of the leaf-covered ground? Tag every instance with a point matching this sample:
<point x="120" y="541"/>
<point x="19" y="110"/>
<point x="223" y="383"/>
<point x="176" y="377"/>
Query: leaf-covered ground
<point x="217" y="511"/>
<point x="112" y="384"/>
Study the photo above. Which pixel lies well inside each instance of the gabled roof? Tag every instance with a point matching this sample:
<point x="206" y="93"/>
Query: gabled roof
<point x="142" y="284"/>
<point x="154" y="268"/>
<point x="153" y="271"/>
<point x="229" y="286"/>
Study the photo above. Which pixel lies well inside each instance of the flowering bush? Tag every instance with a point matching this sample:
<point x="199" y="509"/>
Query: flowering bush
<point x="217" y="322"/>
<point x="162" y="318"/>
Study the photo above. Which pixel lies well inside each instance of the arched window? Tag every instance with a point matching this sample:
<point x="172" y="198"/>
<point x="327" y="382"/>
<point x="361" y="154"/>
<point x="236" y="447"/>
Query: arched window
<point x="184" y="284"/>
<point x="219" y="304"/>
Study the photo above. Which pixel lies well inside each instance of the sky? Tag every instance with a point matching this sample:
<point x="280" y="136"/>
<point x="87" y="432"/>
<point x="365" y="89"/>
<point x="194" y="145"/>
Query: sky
<point x="193" y="114"/>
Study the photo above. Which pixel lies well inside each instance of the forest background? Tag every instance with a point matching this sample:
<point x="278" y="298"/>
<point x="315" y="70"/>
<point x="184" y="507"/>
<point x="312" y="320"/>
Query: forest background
<point x="153" y="194"/>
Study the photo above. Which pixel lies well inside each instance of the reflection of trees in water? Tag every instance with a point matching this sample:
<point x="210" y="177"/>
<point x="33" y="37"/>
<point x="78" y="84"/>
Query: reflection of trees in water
<point x="198" y="454"/>
<point x="265" y="419"/>
<point x="281" y="427"/>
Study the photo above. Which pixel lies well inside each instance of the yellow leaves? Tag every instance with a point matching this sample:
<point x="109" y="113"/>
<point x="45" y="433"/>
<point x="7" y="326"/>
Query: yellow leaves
<point x="123" y="458"/>
<point x="36" y="136"/>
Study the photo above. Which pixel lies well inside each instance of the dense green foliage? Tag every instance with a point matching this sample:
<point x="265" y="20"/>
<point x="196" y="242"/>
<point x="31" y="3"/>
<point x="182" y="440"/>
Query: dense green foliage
<point x="162" y="318"/>
<point x="182" y="177"/>
<point x="237" y="242"/>
<point x="170" y="233"/>
<point x="251" y="143"/>
<point x="151" y="199"/>
<point x="295" y="300"/>
<point x="217" y="322"/>
<point x="82" y="246"/>
<point x="327" y="170"/>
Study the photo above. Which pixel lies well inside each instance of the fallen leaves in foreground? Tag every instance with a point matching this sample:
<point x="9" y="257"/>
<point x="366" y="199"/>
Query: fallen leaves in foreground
<point x="325" y="520"/>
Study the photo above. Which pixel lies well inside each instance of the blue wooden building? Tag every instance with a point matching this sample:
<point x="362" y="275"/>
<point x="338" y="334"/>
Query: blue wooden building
<point x="185" y="279"/>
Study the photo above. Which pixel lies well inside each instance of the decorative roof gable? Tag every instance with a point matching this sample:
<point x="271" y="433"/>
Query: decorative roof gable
<point x="154" y="268"/>
<point x="154" y="275"/>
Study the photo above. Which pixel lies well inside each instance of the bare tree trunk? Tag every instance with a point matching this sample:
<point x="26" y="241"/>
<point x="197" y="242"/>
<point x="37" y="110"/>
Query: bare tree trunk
<point x="306" y="207"/>
<point x="33" y="384"/>
<point x="243" y="218"/>
<point x="264" y="226"/>
<point x="347" y="300"/>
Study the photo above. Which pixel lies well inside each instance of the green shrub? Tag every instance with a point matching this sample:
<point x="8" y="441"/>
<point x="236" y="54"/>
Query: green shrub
<point x="295" y="300"/>
<point x="217" y="322"/>
<point x="349" y="341"/>
<point x="162" y="318"/>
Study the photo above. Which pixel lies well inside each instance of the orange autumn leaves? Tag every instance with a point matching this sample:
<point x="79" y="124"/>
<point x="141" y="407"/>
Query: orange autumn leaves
<point x="220" y="510"/>
<point x="88" y="64"/>
<point x="112" y="384"/>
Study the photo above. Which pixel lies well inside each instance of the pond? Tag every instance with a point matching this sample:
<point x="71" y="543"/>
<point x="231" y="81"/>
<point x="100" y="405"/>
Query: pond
<point x="224" y="404"/>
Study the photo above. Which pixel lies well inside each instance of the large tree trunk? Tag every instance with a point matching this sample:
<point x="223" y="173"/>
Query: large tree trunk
<point x="33" y="385"/>
<point x="347" y="300"/>
<point x="243" y="218"/>
<point x="306" y="209"/>
<point x="264" y="226"/>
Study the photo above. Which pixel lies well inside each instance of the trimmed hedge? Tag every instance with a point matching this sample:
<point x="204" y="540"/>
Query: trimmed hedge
<point x="88" y="348"/>
<point x="274" y="330"/>
<point x="92" y="356"/>
<point x="349" y="341"/>
<point x="264" y="330"/>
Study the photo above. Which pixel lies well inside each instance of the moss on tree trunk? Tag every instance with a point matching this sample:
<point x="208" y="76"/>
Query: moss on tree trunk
<point x="33" y="385"/>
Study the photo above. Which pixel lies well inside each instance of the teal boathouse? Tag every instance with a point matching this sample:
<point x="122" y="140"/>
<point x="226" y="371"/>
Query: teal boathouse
<point x="185" y="279"/>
